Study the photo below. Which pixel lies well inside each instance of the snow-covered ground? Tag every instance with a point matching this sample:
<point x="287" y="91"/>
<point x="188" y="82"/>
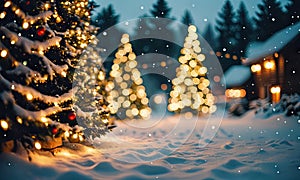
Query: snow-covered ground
<point x="174" y="148"/>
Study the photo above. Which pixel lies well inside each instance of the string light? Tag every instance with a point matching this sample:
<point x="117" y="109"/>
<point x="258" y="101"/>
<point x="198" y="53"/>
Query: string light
<point x="19" y="120"/>
<point x="7" y="4"/>
<point x="4" y="125"/>
<point x="2" y="15"/>
<point x="25" y="25"/>
<point x="3" y="53"/>
<point x="37" y="145"/>
<point x="44" y="119"/>
<point x="29" y="96"/>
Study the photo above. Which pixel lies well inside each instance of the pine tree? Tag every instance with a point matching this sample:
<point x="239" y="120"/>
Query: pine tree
<point x="293" y="12"/>
<point x="128" y="98"/>
<point x="244" y="30"/>
<point x="93" y="5"/>
<point x="40" y="46"/>
<point x="269" y="20"/>
<point x="161" y="27"/>
<point x="209" y="36"/>
<point x="90" y="81"/>
<point x="226" y="29"/>
<point x="106" y="18"/>
<point x="142" y="35"/>
<point x="190" y="89"/>
<point x="161" y="9"/>
<point x="187" y="18"/>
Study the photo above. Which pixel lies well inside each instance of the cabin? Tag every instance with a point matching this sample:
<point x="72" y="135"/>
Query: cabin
<point x="275" y="64"/>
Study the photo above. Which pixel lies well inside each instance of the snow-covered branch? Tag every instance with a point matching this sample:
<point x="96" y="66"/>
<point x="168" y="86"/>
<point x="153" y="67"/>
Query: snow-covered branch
<point x="35" y="47"/>
<point x="32" y="19"/>
<point x="29" y="45"/>
<point x="24" y="90"/>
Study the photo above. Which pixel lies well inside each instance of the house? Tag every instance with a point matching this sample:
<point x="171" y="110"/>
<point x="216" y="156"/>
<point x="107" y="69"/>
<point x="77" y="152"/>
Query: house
<point x="275" y="63"/>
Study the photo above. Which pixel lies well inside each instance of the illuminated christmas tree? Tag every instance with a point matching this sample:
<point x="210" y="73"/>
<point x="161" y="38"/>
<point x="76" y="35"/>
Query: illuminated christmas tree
<point x="41" y="43"/>
<point x="91" y="94"/>
<point x="190" y="89"/>
<point x="128" y="98"/>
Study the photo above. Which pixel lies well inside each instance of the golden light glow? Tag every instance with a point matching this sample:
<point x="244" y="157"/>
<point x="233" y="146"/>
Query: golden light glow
<point x="269" y="64"/>
<point x="3" y="53"/>
<point x="67" y="134"/>
<point x="47" y="6"/>
<point x="17" y="11"/>
<point x="256" y="68"/>
<point x="25" y="25"/>
<point x="29" y="96"/>
<point x="158" y="99"/>
<point x="7" y="4"/>
<point x="4" y="125"/>
<point x="19" y="120"/>
<point x="75" y="136"/>
<point x="275" y="89"/>
<point x="63" y="74"/>
<point x="81" y="138"/>
<point x="2" y="15"/>
<point x="235" y="93"/>
<point x="37" y="145"/>
<point x="44" y="119"/>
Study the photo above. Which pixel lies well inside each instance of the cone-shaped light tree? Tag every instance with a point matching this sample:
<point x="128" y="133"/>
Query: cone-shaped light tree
<point x="190" y="89"/>
<point x="41" y="42"/>
<point x="128" y="98"/>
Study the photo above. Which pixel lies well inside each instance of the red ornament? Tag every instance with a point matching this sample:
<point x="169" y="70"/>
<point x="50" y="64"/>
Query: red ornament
<point x="54" y="130"/>
<point x="72" y="116"/>
<point x="27" y="2"/>
<point x="41" y="31"/>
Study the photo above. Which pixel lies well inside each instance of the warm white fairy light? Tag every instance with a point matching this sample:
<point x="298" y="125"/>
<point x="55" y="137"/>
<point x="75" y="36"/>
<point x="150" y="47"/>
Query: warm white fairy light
<point x="29" y="96"/>
<point x="3" y="53"/>
<point x="44" y="119"/>
<point x="25" y="25"/>
<point x="4" y="125"/>
<point x="7" y="4"/>
<point x="19" y="120"/>
<point x="2" y="15"/>
<point x="37" y="145"/>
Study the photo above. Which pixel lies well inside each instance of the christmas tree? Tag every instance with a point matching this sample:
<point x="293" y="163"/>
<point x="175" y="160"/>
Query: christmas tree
<point x="190" y="89"/>
<point x="90" y="97"/>
<point x="41" y="45"/>
<point x="127" y="96"/>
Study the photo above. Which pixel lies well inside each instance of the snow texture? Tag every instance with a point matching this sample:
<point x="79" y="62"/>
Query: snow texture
<point x="247" y="147"/>
<point x="258" y="50"/>
<point x="236" y="75"/>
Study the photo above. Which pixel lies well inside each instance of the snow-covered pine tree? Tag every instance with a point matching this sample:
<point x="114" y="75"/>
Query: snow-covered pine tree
<point x="90" y="97"/>
<point x="41" y="42"/>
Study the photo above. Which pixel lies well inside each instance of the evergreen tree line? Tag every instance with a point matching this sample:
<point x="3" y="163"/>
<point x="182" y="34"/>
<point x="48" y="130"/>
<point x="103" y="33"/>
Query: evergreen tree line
<point x="235" y="28"/>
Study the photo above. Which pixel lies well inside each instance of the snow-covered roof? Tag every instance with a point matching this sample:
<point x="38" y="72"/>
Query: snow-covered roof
<point x="258" y="50"/>
<point x="236" y="75"/>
